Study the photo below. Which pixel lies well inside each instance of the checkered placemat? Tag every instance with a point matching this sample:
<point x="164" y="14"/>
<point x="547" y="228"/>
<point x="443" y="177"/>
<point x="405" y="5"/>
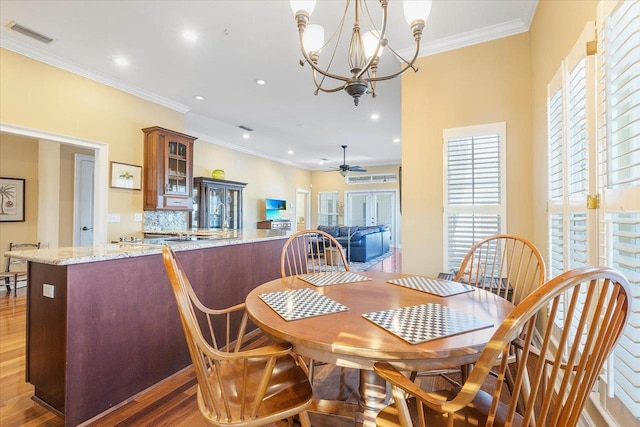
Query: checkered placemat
<point x="443" y="288"/>
<point x="425" y="322"/>
<point x="332" y="278"/>
<point x="301" y="303"/>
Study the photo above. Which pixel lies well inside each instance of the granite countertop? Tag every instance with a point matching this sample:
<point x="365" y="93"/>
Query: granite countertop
<point x="181" y="241"/>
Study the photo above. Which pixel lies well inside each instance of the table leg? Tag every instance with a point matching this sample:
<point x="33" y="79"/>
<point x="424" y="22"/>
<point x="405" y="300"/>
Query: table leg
<point x="373" y="397"/>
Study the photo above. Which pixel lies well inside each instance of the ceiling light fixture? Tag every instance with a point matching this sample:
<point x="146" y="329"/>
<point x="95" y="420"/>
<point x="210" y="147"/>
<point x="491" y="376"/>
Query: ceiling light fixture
<point x="261" y="82"/>
<point x="199" y="97"/>
<point x="375" y="116"/>
<point x="189" y="35"/>
<point x="364" y="50"/>
<point x="121" y="61"/>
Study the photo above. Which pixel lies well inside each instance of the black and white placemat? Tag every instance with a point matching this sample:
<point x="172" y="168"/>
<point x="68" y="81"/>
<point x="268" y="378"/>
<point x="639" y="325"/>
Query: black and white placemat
<point x="332" y="278"/>
<point x="443" y="288"/>
<point x="301" y="303"/>
<point x="425" y="322"/>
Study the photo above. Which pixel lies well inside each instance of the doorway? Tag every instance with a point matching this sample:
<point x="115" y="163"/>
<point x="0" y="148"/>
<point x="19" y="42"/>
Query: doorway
<point x="372" y="208"/>
<point x="101" y="168"/>
<point x="303" y="210"/>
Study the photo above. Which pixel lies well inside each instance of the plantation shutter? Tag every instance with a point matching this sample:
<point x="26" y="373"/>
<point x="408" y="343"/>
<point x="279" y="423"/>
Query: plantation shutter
<point x="571" y="137"/>
<point x="474" y="181"/>
<point x="619" y="161"/>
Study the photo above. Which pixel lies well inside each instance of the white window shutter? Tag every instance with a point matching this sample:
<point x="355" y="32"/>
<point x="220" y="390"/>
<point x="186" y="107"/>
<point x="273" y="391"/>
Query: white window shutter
<point x="474" y="188"/>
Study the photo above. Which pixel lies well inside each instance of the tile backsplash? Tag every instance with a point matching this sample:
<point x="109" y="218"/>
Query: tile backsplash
<point x="164" y="220"/>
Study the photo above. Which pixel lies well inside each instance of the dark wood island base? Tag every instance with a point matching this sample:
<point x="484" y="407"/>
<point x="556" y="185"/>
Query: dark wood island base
<point x="112" y="329"/>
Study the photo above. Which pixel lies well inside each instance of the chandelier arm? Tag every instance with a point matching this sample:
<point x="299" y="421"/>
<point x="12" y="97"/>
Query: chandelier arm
<point x="383" y="31"/>
<point x="397" y="55"/>
<point x="409" y="65"/>
<point x="319" y="85"/>
<point x="314" y="65"/>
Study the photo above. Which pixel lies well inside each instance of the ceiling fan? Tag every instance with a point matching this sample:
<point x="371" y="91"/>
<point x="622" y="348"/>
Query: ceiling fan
<point x="344" y="168"/>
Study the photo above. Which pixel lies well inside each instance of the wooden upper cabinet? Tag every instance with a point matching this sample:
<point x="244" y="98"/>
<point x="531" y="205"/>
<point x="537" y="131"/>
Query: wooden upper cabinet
<point x="168" y="170"/>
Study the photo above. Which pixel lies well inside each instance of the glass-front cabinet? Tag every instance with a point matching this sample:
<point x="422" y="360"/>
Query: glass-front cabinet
<point x="218" y="203"/>
<point x="168" y="166"/>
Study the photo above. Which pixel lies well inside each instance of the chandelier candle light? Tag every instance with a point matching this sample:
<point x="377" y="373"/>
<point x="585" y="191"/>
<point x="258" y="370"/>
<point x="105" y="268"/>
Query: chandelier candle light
<point x="364" y="50"/>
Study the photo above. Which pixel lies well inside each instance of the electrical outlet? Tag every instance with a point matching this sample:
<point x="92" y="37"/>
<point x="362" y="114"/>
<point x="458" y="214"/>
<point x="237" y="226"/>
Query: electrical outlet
<point x="137" y="217"/>
<point x="48" y="290"/>
<point x="113" y="218"/>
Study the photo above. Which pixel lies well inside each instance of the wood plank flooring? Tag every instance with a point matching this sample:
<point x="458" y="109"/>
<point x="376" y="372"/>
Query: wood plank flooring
<point x="171" y="403"/>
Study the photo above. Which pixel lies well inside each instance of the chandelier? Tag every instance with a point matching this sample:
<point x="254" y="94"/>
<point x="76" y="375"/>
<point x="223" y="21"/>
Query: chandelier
<point x="364" y="49"/>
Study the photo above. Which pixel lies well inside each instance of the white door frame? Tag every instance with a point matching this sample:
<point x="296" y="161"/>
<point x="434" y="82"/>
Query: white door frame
<point x="101" y="182"/>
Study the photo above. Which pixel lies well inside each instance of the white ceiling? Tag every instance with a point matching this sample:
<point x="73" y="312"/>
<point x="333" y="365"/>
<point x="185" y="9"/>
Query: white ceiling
<point x="238" y="42"/>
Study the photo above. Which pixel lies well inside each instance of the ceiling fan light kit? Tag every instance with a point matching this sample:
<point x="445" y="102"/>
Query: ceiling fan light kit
<point x="364" y="49"/>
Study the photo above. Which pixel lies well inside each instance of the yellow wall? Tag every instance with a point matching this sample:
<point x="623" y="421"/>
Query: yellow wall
<point x="38" y="96"/>
<point x="265" y="179"/>
<point x="555" y="29"/>
<point x="485" y="83"/>
<point x="41" y="97"/>
<point x="19" y="159"/>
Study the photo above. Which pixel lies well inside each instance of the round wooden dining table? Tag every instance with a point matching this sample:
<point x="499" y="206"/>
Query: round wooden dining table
<point x="350" y="340"/>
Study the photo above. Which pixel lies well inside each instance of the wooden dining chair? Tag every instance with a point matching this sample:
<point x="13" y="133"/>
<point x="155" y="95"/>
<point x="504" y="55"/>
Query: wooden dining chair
<point x="16" y="269"/>
<point x="237" y="387"/>
<point x="505" y="264"/>
<point x="311" y="251"/>
<point x="562" y="332"/>
<point x="508" y="265"/>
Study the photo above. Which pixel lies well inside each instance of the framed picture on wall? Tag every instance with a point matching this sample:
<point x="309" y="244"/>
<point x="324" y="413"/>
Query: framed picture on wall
<point x="11" y="199"/>
<point x="126" y="176"/>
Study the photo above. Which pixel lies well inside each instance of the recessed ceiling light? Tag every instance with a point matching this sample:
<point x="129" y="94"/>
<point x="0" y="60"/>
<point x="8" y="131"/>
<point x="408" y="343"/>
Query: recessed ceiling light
<point x="321" y="163"/>
<point x="246" y="136"/>
<point x="189" y="35"/>
<point x="290" y="152"/>
<point x="121" y="61"/>
<point x="375" y="116"/>
<point x="261" y="82"/>
<point x="199" y="97"/>
<point x="396" y="140"/>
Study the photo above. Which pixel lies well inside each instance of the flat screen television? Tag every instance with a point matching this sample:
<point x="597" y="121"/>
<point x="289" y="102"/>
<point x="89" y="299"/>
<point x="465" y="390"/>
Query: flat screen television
<point x="275" y="209"/>
<point x="274" y="204"/>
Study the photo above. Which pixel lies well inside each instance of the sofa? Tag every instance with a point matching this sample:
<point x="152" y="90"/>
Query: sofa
<point x="361" y="243"/>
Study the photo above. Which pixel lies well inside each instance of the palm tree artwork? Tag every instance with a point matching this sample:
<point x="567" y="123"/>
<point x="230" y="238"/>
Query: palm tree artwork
<point x="6" y="192"/>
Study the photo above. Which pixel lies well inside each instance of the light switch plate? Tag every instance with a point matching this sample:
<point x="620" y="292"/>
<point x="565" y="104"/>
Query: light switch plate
<point x="113" y="218"/>
<point x="48" y="290"/>
<point x="137" y="217"/>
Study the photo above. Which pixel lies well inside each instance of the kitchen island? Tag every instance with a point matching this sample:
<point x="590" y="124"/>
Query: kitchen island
<point x="102" y="322"/>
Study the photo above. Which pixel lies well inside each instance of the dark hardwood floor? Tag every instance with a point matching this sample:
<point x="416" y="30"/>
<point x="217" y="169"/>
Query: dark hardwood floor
<point x="171" y="403"/>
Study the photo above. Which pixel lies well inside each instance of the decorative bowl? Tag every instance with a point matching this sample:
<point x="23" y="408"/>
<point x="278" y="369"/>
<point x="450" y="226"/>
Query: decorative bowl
<point x="217" y="174"/>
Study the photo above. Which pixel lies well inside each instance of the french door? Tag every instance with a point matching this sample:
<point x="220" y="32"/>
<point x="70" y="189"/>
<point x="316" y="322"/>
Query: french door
<point x="371" y="208"/>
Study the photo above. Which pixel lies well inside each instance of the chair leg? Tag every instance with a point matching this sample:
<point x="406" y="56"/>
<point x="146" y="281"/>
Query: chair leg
<point x="15" y="285"/>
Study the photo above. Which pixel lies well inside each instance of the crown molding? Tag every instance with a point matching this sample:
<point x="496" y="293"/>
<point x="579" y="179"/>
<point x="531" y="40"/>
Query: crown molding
<point x="22" y="48"/>
<point x="482" y="35"/>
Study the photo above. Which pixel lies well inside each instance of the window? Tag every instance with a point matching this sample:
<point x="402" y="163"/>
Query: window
<point x="474" y="188"/>
<point x="593" y="118"/>
<point x="328" y="208"/>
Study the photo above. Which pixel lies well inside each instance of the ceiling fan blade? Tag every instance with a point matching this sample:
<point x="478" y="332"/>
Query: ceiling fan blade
<point x="357" y="169"/>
